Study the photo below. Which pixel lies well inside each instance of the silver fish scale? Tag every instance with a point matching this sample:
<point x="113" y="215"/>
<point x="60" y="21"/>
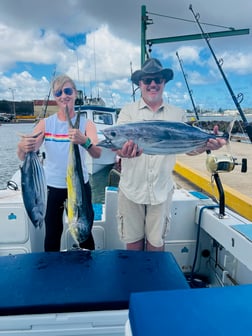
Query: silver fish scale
<point x="157" y="137"/>
<point x="34" y="191"/>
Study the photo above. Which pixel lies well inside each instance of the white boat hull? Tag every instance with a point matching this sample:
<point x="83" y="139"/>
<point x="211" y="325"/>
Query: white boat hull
<point x="108" y="157"/>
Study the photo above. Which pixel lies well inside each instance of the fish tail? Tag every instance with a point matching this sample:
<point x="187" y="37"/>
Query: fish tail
<point x="227" y="134"/>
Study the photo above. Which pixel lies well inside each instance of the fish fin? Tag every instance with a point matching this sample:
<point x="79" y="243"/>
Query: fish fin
<point x="230" y="127"/>
<point x="227" y="134"/>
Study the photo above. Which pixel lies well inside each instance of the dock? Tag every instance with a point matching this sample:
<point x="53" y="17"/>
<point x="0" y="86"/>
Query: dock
<point x="190" y="172"/>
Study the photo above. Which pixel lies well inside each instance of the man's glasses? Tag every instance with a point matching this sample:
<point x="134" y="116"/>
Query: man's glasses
<point x="157" y="80"/>
<point x="67" y="91"/>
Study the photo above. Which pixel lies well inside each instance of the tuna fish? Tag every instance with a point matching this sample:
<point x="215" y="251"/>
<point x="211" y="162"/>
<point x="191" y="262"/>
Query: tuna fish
<point x="157" y="137"/>
<point x="80" y="214"/>
<point x="34" y="190"/>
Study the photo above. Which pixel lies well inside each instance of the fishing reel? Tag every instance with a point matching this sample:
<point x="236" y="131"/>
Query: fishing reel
<point x="219" y="164"/>
<point x="224" y="163"/>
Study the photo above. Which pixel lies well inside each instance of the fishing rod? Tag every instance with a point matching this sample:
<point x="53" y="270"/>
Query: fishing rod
<point x="187" y="85"/>
<point x="48" y="96"/>
<point x="248" y="126"/>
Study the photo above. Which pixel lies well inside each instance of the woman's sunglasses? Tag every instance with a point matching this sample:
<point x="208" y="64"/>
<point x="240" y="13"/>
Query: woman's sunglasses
<point x="67" y="91"/>
<point x="157" y="80"/>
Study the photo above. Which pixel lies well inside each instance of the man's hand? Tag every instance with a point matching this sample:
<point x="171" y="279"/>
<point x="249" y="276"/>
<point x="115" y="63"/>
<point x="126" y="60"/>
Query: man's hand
<point x="212" y="144"/>
<point x="129" y="150"/>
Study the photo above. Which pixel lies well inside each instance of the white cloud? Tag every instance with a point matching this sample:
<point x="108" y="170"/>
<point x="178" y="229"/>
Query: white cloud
<point x="28" y="46"/>
<point x="189" y="54"/>
<point x="23" y="86"/>
<point x="31" y="32"/>
<point x="239" y="63"/>
<point x="105" y="56"/>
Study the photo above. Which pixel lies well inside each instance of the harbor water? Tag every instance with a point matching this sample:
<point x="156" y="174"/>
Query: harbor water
<point x="9" y="162"/>
<point x="9" y="137"/>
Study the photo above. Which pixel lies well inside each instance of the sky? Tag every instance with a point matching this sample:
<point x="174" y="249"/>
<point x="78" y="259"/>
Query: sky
<point x="98" y="44"/>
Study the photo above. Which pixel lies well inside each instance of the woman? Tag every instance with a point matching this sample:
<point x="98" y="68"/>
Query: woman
<point x="56" y="134"/>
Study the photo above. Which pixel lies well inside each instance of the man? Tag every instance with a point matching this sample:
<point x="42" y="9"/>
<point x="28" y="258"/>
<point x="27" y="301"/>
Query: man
<point x="146" y="184"/>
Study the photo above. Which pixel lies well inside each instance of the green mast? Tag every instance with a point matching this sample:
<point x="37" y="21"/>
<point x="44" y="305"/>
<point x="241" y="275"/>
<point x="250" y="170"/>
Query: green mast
<point x="144" y="20"/>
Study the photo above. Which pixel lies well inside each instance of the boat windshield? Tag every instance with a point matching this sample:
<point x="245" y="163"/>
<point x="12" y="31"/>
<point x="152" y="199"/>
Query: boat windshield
<point x="102" y="118"/>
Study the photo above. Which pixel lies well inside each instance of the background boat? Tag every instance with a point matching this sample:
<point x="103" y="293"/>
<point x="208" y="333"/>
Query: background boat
<point x="95" y="110"/>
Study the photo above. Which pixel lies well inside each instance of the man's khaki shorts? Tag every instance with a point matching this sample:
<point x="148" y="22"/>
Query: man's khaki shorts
<point x="143" y="221"/>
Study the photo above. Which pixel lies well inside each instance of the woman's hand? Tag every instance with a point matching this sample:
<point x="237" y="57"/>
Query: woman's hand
<point x="27" y="144"/>
<point x="76" y="136"/>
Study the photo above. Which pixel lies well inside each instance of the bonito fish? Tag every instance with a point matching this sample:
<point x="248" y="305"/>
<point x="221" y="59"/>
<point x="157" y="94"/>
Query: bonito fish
<point x="80" y="215"/>
<point x="158" y="137"/>
<point x="34" y="190"/>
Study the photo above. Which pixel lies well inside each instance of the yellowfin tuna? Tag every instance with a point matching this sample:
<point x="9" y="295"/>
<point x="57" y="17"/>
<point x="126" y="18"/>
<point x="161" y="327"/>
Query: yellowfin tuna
<point x="80" y="214"/>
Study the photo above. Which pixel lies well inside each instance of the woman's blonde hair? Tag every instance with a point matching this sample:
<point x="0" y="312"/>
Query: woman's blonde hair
<point x="60" y="80"/>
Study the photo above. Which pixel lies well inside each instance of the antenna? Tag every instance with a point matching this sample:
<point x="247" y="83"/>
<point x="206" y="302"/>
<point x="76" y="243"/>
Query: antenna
<point x="95" y="63"/>
<point x="187" y="85"/>
<point x="78" y="70"/>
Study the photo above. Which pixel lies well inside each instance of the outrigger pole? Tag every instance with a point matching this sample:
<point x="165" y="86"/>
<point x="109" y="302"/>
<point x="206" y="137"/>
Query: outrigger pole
<point x="248" y="127"/>
<point x="187" y="85"/>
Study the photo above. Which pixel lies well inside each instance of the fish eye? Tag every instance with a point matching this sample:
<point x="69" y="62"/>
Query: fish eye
<point x="113" y="134"/>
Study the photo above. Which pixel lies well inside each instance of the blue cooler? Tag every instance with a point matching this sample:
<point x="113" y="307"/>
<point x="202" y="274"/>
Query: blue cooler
<point x="222" y="311"/>
<point x="82" y="281"/>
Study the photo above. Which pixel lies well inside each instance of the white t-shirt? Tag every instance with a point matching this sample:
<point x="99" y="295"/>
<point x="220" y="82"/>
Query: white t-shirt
<point x="56" y="145"/>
